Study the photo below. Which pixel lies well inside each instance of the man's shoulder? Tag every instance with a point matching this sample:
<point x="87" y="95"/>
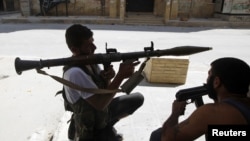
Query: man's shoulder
<point x="206" y="110"/>
<point x="74" y="68"/>
<point x="215" y="107"/>
<point x="220" y="113"/>
<point x="74" y="71"/>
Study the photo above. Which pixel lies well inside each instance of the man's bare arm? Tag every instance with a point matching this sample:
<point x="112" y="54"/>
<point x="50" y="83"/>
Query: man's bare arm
<point x="191" y="128"/>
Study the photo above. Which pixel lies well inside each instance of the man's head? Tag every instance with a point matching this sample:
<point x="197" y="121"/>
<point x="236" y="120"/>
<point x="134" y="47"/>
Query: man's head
<point x="233" y="74"/>
<point x="79" y="39"/>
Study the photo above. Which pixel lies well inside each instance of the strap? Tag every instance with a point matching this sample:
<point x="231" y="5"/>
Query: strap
<point x="244" y="110"/>
<point x="77" y="87"/>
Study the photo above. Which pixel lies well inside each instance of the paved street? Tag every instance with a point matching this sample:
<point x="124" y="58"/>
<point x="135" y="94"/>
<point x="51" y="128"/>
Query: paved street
<point x="31" y="112"/>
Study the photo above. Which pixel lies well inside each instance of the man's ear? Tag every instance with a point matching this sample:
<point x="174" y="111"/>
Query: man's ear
<point x="217" y="82"/>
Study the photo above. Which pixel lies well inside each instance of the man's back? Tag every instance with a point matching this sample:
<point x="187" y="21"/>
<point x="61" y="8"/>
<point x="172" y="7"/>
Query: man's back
<point x="223" y="113"/>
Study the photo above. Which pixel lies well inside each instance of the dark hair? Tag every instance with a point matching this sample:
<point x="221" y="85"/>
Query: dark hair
<point x="75" y="35"/>
<point x="233" y="73"/>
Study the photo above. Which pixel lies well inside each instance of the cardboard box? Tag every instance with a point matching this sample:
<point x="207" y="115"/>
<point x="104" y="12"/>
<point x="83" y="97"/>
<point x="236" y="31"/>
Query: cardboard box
<point x="171" y="70"/>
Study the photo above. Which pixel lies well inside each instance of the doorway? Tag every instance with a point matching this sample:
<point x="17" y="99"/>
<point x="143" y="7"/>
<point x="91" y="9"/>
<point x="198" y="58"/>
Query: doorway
<point x="139" y="5"/>
<point x="1" y="5"/>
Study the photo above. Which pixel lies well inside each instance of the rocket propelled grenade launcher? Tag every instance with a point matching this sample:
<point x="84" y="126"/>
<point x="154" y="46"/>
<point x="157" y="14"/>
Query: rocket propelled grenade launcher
<point x="107" y="58"/>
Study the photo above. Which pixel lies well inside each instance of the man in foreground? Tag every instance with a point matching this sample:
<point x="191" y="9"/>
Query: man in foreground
<point x="228" y="84"/>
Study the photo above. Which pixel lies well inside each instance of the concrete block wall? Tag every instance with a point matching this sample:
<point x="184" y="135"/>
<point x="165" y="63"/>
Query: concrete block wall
<point x="25" y="7"/>
<point x="34" y="7"/>
<point x="202" y="8"/>
<point x="184" y="5"/>
<point x="87" y="7"/>
<point x="197" y="8"/>
<point x="75" y="8"/>
<point x="159" y="7"/>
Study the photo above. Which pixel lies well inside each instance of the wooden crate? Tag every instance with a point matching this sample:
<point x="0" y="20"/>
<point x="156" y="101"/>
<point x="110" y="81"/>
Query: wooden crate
<point x="167" y="70"/>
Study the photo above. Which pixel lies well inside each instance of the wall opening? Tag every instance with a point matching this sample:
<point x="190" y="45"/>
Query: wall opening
<point x="139" y="5"/>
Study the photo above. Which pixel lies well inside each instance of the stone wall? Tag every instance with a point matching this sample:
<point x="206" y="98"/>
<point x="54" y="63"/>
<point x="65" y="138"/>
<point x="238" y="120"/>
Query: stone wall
<point x="84" y="7"/>
<point x="34" y="7"/>
<point x="185" y="5"/>
<point x="25" y="7"/>
<point x="195" y="8"/>
<point x="159" y="7"/>
<point x="74" y="8"/>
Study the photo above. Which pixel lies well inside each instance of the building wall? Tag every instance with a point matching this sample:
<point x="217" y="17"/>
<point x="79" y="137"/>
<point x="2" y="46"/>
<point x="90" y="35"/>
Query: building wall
<point x="34" y="7"/>
<point x="84" y="7"/>
<point x="195" y="8"/>
<point x="74" y="8"/>
<point x="159" y="7"/>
